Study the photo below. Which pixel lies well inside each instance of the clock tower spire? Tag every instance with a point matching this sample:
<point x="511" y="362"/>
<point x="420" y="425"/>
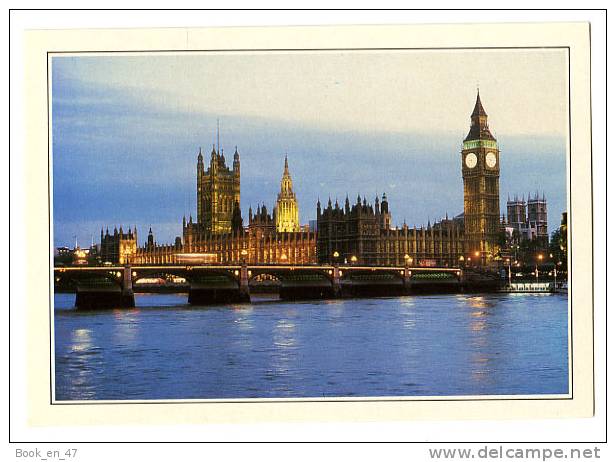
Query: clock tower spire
<point x="481" y="173"/>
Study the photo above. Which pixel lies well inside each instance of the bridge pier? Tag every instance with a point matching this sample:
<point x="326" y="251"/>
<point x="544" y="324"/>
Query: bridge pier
<point x="336" y="286"/>
<point x="128" y="296"/>
<point x="89" y="298"/>
<point x="244" y="287"/>
<point x="326" y="284"/>
<point x="407" y="280"/>
<point x="227" y="290"/>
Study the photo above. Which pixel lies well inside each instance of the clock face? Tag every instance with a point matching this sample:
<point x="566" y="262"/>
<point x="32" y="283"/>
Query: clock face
<point x="490" y="159"/>
<point x="471" y="160"/>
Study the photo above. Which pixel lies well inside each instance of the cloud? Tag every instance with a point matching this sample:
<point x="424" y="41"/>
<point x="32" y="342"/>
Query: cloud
<point x="125" y="140"/>
<point x="396" y="91"/>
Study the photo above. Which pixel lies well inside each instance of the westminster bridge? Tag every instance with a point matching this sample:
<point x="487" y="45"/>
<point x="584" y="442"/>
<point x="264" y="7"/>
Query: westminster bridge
<point x="113" y="286"/>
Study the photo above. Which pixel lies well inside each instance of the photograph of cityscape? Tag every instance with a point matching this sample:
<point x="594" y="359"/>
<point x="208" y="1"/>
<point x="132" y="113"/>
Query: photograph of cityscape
<point x="341" y="224"/>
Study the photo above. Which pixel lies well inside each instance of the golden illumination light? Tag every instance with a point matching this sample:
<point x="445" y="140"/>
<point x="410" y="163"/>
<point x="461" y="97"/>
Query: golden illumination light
<point x="196" y="257"/>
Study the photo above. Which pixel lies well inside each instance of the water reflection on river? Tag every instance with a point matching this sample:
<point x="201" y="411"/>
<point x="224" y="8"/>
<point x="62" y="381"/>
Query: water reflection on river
<point x="499" y="344"/>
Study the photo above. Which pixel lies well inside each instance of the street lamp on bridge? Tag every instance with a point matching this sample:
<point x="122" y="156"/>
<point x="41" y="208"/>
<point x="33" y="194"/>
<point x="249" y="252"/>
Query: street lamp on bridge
<point x="539" y="259"/>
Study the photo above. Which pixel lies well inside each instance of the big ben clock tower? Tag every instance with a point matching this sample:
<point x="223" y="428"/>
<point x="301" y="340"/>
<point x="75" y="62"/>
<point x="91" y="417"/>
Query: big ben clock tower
<point x="480" y="172"/>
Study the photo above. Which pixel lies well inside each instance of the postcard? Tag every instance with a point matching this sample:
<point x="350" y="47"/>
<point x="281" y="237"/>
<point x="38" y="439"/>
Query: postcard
<point x="367" y="222"/>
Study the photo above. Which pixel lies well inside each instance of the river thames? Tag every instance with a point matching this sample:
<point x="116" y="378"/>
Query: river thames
<point x="493" y="344"/>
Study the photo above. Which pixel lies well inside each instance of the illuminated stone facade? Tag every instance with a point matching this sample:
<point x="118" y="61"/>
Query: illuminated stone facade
<point x="361" y="234"/>
<point x="119" y="247"/>
<point x="218" y="192"/>
<point x="267" y="238"/>
<point x="286" y="211"/>
<point x="260" y="245"/>
<point x="153" y="253"/>
<point x="481" y="173"/>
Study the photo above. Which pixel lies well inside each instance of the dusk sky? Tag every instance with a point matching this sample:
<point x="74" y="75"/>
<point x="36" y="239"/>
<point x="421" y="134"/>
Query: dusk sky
<point x="127" y="129"/>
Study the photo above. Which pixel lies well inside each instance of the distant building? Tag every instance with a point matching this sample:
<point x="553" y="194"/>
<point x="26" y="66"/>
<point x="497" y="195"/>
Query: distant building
<point x="118" y="247"/>
<point x="268" y="238"/>
<point x="362" y="234"/>
<point x="562" y="247"/>
<point x="63" y="251"/>
<point x="563" y="233"/>
<point x="538" y="218"/>
<point x="261" y="220"/>
<point x="527" y="220"/>
<point x="75" y="256"/>
<point x="80" y="256"/>
<point x="218" y="192"/>
<point x="154" y="253"/>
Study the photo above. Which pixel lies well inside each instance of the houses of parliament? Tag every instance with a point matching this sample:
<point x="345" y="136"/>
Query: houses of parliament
<point x="356" y="232"/>
<point x="219" y="235"/>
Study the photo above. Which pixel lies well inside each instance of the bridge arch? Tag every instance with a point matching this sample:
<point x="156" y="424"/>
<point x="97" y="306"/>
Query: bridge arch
<point x="263" y="276"/>
<point x="190" y="274"/>
<point x="350" y="274"/>
<point x="287" y="274"/>
<point x="88" y="278"/>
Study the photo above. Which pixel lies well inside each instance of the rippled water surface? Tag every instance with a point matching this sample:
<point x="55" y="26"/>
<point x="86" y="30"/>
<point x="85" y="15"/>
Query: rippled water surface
<point x="409" y="346"/>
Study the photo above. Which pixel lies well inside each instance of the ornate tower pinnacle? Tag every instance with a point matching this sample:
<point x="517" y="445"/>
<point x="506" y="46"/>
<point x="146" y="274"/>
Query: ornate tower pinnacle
<point x="218" y="189"/>
<point x="200" y="173"/>
<point x="287" y="211"/>
<point x="479" y="123"/>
